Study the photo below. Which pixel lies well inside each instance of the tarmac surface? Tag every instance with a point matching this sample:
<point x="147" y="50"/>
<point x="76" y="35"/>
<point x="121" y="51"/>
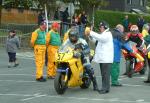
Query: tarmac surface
<point x="18" y="85"/>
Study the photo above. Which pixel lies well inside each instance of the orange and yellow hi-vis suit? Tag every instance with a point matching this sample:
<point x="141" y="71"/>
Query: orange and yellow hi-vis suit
<point x="38" y="42"/>
<point x="53" y="42"/>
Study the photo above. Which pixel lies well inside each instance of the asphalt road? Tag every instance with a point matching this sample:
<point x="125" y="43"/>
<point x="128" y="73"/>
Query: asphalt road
<point x="18" y="85"/>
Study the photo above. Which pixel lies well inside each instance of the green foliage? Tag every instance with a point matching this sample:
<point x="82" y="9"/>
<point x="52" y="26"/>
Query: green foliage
<point x="18" y="3"/>
<point x="114" y="18"/>
<point x="88" y="4"/>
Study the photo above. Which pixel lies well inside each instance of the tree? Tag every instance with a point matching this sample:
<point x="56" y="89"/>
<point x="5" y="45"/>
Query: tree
<point x="50" y="4"/>
<point x="88" y="4"/>
<point x="26" y="4"/>
<point x="0" y="10"/>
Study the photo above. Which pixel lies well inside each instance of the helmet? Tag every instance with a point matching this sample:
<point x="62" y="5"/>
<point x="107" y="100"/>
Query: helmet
<point x="146" y="26"/>
<point x="134" y="29"/>
<point x="12" y="31"/>
<point x="104" y="23"/>
<point x="73" y="35"/>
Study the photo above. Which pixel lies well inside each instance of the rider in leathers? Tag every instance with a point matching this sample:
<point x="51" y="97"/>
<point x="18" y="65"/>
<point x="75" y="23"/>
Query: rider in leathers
<point x="77" y="43"/>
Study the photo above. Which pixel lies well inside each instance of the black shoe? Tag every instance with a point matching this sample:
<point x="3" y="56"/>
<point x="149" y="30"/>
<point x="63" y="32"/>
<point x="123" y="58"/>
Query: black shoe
<point x="103" y="91"/>
<point x="16" y="65"/>
<point x="147" y="81"/>
<point x="41" y="79"/>
<point x="50" y="77"/>
<point x="9" y="66"/>
<point x="116" y="85"/>
<point x="125" y="73"/>
<point x="95" y="87"/>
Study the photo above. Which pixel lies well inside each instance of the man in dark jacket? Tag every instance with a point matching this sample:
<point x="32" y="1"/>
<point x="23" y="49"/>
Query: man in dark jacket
<point x="41" y="17"/>
<point x="140" y="23"/>
<point x="65" y="16"/>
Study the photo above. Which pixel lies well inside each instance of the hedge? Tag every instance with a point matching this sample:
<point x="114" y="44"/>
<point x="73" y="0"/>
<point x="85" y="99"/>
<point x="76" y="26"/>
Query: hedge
<point x="114" y="17"/>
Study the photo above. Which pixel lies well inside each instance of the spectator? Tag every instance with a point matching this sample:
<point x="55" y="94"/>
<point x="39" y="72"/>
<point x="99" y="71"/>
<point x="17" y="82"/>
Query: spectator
<point x="119" y="43"/>
<point x="126" y="23"/>
<point x="83" y="21"/>
<point x="83" y="18"/>
<point x="53" y="42"/>
<point x="140" y="23"/>
<point x="104" y="53"/>
<point x="12" y="44"/>
<point x="41" y="17"/>
<point x="65" y="20"/>
<point x="57" y="14"/>
<point x="75" y="19"/>
<point x="38" y="42"/>
<point x="146" y="36"/>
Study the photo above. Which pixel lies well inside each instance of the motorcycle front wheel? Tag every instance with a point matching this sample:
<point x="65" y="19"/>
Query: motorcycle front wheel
<point x="59" y="84"/>
<point x="129" y="68"/>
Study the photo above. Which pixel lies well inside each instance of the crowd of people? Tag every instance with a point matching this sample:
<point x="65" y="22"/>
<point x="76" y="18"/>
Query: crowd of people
<point x="109" y="44"/>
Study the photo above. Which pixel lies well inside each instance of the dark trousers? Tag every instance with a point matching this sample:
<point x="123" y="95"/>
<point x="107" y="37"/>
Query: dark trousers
<point x="148" y="78"/>
<point x="12" y="57"/>
<point x="105" y="72"/>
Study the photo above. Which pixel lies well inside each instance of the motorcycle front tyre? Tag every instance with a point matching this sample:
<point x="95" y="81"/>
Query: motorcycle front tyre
<point x="59" y="84"/>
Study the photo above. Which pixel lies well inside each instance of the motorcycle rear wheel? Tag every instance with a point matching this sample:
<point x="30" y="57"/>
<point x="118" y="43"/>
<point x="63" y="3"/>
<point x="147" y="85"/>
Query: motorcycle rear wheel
<point x="129" y="68"/>
<point x="86" y="83"/>
<point x="59" y="84"/>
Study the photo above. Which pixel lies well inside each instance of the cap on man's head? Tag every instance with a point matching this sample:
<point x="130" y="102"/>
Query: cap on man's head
<point x="42" y="23"/>
<point x="104" y="23"/>
<point x="12" y="31"/>
<point x="55" y="25"/>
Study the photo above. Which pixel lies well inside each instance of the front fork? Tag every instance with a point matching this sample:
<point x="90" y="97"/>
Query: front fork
<point x="64" y="71"/>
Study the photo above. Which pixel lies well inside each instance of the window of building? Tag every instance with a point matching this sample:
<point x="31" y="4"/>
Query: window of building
<point x="141" y="2"/>
<point x="129" y="2"/>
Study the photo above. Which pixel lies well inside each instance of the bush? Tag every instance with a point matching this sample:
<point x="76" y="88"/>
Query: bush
<point x="114" y="17"/>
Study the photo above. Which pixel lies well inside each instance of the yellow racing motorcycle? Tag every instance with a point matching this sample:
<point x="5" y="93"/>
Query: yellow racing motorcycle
<point x="70" y="72"/>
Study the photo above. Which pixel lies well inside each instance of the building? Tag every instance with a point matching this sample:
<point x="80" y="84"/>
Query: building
<point x="126" y="5"/>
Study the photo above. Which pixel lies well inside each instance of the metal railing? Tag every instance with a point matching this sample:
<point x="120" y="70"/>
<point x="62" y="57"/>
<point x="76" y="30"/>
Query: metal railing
<point x="24" y="32"/>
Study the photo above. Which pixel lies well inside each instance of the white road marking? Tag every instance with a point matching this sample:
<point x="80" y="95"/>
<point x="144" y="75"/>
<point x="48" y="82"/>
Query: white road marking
<point x="37" y="95"/>
<point x="33" y="96"/>
<point x="22" y="95"/>
<point x="17" y="81"/>
<point x="26" y="54"/>
<point x="130" y="85"/>
<point x="140" y="100"/>
<point x="26" y="58"/>
<point x="17" y="75"/>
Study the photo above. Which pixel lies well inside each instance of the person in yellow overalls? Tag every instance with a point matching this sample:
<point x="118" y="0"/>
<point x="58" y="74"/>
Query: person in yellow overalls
<point x="53" y="42"/>
<point x="38" y="42"/>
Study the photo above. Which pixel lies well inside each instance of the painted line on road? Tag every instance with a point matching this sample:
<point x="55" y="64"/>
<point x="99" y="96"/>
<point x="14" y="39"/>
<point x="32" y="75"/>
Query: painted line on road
<point x="19" y="81"/>
<point x="25" y="58"/>
<point x="22" y="95"/>
<point x="17" y="75"/>
<point x="23" y="81"/>
<point x="35" y="96"/>
<point x="100" y="99"/>
<point x="38" y="96"/>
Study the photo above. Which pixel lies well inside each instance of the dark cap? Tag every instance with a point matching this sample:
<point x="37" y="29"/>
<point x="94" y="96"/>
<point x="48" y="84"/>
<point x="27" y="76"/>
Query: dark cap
<point x="104" y="23"/>
<point x="12" y="31"/>
<point x="43" y="23"/>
